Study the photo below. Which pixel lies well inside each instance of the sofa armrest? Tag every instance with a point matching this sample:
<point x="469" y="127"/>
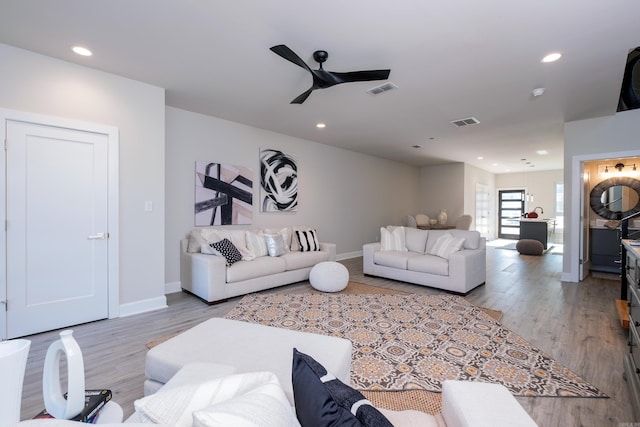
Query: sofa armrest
<point x="329" y="247"/>
<point x="203" y="275"/>
<point x="368" y="250"/>
<point x="477" y="404"/>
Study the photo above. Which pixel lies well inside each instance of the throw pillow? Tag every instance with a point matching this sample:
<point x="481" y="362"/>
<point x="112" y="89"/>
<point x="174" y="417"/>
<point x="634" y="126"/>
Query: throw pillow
<point x="237" y="237"/>
<point x="256" y="244"/>
<point x="286" y="236"/>
<point x="323" y="400"/>
<point x="295" y="246"/>
<point x="227" y="250"/>
<point x="446" y="245"/>
<point x="275" y="244"/>
<point x="392" y="239"/>
<point x="308" y="240"/>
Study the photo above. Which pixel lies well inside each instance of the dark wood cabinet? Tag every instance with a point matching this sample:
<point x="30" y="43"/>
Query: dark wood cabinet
<point x="605" y="250"/>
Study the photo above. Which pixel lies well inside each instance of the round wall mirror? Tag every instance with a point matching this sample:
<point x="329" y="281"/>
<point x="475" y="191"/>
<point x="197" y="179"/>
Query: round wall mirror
<point x="616" y="198"/>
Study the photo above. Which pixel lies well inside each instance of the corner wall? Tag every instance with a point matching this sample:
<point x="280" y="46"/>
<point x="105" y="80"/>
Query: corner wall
<point x="39" y="84"/>
<point x="347" y="196"/>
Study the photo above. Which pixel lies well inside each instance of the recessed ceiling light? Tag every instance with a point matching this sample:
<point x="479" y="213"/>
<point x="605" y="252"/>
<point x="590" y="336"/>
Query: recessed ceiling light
<point x="321" y="126"/>
<point x="552" y="57"/>
<point x="480" y="158"/>
<point x="82" y="51"/>
<point x="542" y="152"/>
<point x="537" y="91"/>
<point x="417" y="146"/>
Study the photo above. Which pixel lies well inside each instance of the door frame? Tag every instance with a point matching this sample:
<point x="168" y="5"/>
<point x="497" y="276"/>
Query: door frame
<point x="498" y="209"/>
<point x="572" y="242"/>
<point x="113" y="208"/>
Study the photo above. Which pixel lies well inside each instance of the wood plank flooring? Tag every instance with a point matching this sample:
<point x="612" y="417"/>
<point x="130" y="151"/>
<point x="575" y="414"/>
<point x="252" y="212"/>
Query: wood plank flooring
<point x="576" y="324"/>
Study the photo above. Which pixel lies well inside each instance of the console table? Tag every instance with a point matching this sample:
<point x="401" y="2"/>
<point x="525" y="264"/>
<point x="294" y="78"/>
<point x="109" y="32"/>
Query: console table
<point x="436" y="227"/>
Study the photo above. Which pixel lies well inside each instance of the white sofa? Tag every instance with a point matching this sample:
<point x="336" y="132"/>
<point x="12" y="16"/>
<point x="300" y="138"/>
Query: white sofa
<point x="412" y="259"/>
<point x="210" y="278"/>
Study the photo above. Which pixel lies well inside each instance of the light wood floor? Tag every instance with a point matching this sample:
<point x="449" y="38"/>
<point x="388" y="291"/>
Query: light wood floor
<point x="575" y="323"/>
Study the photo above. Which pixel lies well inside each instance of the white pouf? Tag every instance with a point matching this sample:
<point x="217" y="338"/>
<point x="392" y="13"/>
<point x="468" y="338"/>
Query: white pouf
<point x="329" y="276"/>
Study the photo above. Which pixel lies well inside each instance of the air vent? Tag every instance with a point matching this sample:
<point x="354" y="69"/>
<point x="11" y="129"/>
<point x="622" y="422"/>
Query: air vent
<point x="382" y="88"/>
<point x="465" y="122"/>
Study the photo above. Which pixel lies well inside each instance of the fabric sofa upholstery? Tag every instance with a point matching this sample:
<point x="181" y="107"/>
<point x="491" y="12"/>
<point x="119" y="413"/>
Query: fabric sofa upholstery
<point x="210" y="278"/>
<point x="460" y="272"/>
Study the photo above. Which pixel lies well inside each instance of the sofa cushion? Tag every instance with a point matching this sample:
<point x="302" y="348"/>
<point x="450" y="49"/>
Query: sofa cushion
<point x="256" y="243"/>
<point x="195" y="241"/>
<point x="237" y="237"/>
<point x="429" y="264"/>
<point x="323" y="400"/>
<point x="298" y="260"/>
<point x="226" y="249"/>
<point x="394" y="259"/>
<point x="275" y="244"/>
<point x="308" y="240"/>
<point x="471" y="237"/>
<point x="259" y="267"/>
<point x="392" y="239"/>
<point x="415" y="239"/>
<point x="446" y="245"/>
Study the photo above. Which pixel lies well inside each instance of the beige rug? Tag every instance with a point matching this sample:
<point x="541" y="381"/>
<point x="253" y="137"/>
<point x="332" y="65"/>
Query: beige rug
<point x="406" y="342"/>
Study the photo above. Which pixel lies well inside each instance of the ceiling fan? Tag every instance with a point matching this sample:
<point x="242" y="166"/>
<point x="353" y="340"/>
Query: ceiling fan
<point x="323" y="79"/>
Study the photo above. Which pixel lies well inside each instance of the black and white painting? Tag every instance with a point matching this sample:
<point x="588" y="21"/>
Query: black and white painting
<point x="223" y="194"/>
<point x="278" y="181"/>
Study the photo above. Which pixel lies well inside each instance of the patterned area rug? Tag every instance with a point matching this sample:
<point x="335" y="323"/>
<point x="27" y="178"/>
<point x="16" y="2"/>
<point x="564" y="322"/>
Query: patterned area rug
<point x="405" y="342"/>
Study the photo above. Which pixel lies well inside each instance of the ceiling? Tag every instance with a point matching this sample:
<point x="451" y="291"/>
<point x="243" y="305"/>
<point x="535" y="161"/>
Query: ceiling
<point x="450" y="60"/>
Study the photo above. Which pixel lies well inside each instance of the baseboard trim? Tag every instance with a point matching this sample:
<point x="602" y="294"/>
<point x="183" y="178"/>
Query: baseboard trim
<point x="172" y="287"/>
<point x="348" y="255"/>
<point x="143" y="306"/>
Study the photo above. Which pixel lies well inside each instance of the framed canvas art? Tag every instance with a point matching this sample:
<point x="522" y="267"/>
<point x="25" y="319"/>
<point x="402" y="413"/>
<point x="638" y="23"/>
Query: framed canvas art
<point x="278" y="181"/>
<point x="223" y="194"/>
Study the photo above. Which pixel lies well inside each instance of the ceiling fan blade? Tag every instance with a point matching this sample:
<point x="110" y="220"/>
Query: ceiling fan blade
<point x="362" y="76"/>
<point x="301" y="98"/>
<point x="289" y="55"/>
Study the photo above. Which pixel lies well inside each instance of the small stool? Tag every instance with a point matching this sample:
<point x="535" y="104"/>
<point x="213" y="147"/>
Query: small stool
<point x="329" y="276"/>
<point x="530" y="247"/>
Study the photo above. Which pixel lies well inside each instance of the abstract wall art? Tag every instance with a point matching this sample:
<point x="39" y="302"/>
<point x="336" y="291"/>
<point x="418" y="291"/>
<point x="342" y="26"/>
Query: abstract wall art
<point x="278" y="181"/>
<point x="223" y="194"/>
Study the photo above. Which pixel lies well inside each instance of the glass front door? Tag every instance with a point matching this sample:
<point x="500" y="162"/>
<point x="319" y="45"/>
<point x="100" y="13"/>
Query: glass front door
<point x="510" y="210"/>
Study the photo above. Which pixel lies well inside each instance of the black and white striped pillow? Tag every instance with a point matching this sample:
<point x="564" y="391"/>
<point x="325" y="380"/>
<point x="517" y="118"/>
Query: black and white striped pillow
<point x="308" y="240"/>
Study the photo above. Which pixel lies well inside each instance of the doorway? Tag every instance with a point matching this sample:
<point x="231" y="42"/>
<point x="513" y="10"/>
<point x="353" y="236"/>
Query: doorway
<point x="61" y="265"/>
<point x="510" y="210"/>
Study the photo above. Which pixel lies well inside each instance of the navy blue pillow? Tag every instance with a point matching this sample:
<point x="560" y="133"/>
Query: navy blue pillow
<point x="323" y="400"/>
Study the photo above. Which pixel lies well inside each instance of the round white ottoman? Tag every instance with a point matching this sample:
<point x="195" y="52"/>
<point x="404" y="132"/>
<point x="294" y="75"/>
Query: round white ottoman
<point x="329" y="276"/>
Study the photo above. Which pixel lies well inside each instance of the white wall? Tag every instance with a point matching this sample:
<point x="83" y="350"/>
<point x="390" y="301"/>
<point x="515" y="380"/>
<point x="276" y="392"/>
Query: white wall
<point x="347" y="196"/>
<point x="585" y="140"/>
<point x="541" y="184"/>
<point x="442" y="187"/>
<point x="34" y="83"/>
<point x="472" y="177"/>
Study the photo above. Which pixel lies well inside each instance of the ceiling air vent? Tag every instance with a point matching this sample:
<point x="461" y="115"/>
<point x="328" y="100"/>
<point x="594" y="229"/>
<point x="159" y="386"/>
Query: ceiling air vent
<point x="382" y="88"/>
<point x="465" y="122"/>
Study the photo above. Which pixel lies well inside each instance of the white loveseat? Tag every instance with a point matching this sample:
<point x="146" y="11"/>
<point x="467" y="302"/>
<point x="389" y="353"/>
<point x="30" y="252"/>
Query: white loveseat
<point x="413" y="255"/>
<point x="209" y="277"/>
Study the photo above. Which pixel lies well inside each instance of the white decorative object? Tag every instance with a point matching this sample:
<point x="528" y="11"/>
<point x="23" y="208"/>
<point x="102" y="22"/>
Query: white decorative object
<point x="329" y="276"/>
<point x="54" y="401"/>
<point x="13" y="361"/>
<point x="442" y="217"/>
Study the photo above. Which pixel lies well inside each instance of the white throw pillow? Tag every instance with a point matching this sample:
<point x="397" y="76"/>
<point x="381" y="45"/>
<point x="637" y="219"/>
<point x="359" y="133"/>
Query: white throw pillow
<point x="237" y="237"/>
<point x="446" y="245"/>
<point x="286" y="236"/>
<point x="275" y="244"/>
<point x="392" y="239"/>
<point x="256" y="244"/>
<point x="178" y="406"/>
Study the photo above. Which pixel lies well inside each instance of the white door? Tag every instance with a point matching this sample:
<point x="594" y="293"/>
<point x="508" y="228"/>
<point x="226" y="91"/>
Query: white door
<point x="56" y="210"/>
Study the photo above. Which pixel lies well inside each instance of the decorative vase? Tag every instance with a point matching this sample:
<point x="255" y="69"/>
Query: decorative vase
<point x="54" y="401"/>
<point x="13" y="361"/>
<point x="442" y="217"/>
